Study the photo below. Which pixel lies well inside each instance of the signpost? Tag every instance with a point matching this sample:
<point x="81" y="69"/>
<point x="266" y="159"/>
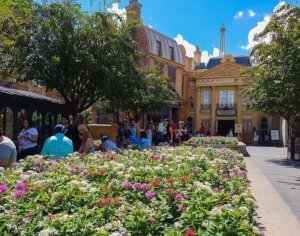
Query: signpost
<point x="275" y="135"/>
<point x="238" y="128"/>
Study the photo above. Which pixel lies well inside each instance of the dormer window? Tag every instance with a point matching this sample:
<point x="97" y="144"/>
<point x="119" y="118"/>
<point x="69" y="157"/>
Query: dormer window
<point x="158" y="48"/>
<point x="171" y="53"/>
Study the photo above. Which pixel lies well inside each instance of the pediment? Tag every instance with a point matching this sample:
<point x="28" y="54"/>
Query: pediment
<point x="223" y="70"/>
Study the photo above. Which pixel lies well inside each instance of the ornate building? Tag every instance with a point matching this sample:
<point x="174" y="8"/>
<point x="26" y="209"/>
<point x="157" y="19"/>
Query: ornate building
<point x="211" y="93"/>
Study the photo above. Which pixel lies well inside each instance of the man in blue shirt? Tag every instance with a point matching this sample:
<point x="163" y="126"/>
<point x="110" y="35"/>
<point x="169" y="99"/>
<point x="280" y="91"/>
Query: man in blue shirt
<point x="58" y="146"/>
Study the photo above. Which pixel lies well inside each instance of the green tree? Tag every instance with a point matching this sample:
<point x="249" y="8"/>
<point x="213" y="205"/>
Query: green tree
<point x="276" y="78"/>
<point x="79" y="54"/>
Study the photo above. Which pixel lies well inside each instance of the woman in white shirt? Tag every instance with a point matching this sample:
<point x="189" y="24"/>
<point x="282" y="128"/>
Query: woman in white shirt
<point x="27" y="138"/>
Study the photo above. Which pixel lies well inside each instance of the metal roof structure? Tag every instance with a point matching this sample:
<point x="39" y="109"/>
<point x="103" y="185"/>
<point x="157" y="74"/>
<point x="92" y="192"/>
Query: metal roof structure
<point x="166" y="43"/>
<point x="241" y="60"/>
<point x="12" y="91"/>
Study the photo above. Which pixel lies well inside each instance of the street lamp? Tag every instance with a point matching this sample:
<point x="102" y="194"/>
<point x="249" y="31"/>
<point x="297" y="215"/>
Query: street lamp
<point x="191" y="101"/>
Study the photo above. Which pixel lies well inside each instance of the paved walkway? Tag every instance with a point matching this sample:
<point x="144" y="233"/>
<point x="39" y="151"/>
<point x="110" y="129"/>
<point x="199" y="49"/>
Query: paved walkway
<point x="275" y="183"/>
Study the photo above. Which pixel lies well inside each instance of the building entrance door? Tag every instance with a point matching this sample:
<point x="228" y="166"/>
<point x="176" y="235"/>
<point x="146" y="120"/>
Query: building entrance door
<point x="224" y="127"/>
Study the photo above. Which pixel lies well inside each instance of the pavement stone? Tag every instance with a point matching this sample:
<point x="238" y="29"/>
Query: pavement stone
<point x="275" y="183"/>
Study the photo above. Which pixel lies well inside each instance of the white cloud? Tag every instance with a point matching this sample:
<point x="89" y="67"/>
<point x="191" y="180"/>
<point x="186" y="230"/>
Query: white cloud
<point x="251" y="13"/>
<point x="206" y="56"/>
<point x="261" y="25"/>
<point x="238" y="15"/>
<point x="115" y="8"/>
<point x="190" y="49"/>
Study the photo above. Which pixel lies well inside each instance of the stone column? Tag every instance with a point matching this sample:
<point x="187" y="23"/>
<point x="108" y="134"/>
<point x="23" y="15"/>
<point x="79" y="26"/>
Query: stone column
<point x="213" y="110"/>
<point x="239" y="105"/>
<point x="197" y="104"/>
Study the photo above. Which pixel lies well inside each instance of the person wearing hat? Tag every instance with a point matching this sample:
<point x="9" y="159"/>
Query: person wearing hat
<point x="58" y="145"/>
<point x="8" y="151"/>
<point x="107" y="144"/>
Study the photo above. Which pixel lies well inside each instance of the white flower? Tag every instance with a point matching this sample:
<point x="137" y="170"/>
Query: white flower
<point x="177" y="225"/>
<point x="47" y="232"/>
<point x="116" y="234"/>
<point x="244" y="209"/>
<point x="256" y="230"/>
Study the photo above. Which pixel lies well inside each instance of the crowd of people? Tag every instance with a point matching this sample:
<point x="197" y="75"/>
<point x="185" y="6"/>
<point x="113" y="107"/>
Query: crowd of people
<point x="69" y="138"/>
<point x="165" y="132"/>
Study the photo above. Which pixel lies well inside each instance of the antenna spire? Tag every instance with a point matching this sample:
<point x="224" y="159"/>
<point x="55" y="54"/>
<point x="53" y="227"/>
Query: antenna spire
<point x="222" y="42"/>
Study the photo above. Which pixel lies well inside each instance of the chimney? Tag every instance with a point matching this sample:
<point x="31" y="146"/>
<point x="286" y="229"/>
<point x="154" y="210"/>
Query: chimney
<point x="134" y="10"/>
<point x="197" y="56"/>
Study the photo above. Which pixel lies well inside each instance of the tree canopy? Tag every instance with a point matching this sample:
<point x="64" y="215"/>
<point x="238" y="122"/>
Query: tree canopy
<point x="86" y="57"/>
<point x="77" y="53"/>
<point x="276" y="79"/>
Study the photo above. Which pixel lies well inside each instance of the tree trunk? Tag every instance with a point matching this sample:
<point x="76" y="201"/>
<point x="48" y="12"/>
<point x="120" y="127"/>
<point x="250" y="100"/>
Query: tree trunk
<point x="292" y="143"/>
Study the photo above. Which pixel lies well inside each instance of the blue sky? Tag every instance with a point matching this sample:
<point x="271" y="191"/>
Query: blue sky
<point x="198" y="22"/>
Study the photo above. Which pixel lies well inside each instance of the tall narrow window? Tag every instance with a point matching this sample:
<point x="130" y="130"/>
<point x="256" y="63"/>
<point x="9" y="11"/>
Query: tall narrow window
<point x="226" y="98"/>
<point x="206" y="98"/>
<point x="171" y="53"/>
<point x="172" y="74"/>
<point x="158" y="48"/>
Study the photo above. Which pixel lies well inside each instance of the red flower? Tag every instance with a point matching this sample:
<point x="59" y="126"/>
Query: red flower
<point x="153" y="157"/>
<point x="106" y="200"/>
<point x="156" y="182"/>
<point x="103" y="171"/>
<point x="185" y="178"/>
<point x="169" y="192"/>
<point x="170" y="180"/>
<point x="190" y="232"/>
<point x="50" y="216"/>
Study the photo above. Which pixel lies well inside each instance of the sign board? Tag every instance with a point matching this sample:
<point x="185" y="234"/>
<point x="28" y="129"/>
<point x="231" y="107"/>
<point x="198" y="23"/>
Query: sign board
<point x="238" y="128"/>
<point x="275" y="135"/>
<point x="226" y="112"/>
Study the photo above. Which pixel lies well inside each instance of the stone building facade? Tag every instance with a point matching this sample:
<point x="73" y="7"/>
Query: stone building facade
<point x="211" y="93"/>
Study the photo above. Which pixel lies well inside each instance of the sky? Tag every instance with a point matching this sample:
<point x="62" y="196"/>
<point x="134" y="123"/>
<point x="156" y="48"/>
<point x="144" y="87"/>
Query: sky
<point x="198" y="22"/>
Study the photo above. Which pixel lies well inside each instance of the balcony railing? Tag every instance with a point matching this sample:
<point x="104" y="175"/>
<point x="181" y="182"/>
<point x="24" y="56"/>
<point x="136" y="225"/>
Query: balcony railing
<point x="205" y="107"/>
<point x="226" y="106"/>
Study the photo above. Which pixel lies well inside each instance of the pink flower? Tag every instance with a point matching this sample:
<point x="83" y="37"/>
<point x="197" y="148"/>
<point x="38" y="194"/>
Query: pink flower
<point x="178" y="198"/>
<point x="149" y="195"/>
<point x="242" y="173"/>
<point x="20" y="186"/>
<point x="25" y="180"/>
<point x="181" y="207"/>
<point x="137" y="185"/>
<point x="18" y="193"/>
<point x="29" y="214"/>
<point x="145" y="187"/>
<point x="152" y="220"/>
<point x="126" y="185"/>
<point x="20" y="222"/>
<point x="84" y="172"/>
<point x="3" y="188"/>
<point x="37" y="164"/>
<point x="114" y="181"/>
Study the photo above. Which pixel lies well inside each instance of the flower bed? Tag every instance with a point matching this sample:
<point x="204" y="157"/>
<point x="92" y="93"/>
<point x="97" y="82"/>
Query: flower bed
<point x="213" y="141"/>
<point x="174" y="191"/>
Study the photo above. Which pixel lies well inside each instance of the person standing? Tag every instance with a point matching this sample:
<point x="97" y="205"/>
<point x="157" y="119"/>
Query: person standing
<point x="67" y="127"/>
<point x="8" y="151"/>
<point x="174" y="129"/>
<point x="58" y="145"/>
<point x="27" y="138"/>
<point x="132" y="128"/>
<point x="167" y="132"/>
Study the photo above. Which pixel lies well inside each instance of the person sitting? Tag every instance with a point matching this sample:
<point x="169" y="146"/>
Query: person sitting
<point x="144" y="141"/>
<point x="87" y="143"/>
<point x="58" y="145"/>
<point x="107" y="144"/>
<point x="8" y="151"/>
